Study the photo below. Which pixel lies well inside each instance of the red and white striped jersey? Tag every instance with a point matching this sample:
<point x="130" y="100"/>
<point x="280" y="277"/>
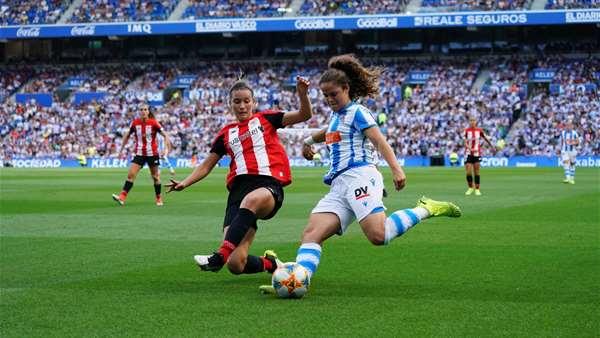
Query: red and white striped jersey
<point x="145" y="136"/>
<point x="254" y="148"/>
<point x="473" y="141"/>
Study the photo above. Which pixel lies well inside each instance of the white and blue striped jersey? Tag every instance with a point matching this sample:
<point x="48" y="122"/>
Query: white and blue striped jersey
<point x="566" y="136"/>
<point x="348" y="146"/>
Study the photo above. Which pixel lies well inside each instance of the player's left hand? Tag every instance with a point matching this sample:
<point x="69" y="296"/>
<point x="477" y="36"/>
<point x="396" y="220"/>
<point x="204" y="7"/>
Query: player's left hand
<point x="302" y="85"/>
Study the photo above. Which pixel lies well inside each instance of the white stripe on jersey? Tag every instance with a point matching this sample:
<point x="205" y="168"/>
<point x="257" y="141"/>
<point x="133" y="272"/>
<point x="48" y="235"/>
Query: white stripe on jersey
<point x="566" y="136"/>
<point x="238" y="151"/>
<point x="138" y="139"/>
<point x="353" y="149"/>
<point x="148" y="141"/>
<point x="259" y="145"/>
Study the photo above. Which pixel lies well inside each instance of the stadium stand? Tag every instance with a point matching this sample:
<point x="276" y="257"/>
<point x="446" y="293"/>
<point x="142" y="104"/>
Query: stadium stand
<point x="572" y="4"/>
<point x="426" y="120"/>
<point x="17" y="12"/>
<point x="344" y="7"/>
<point x="123" y="10"/>
<point x="474" y="5"/>
<point x="234" y="9"/>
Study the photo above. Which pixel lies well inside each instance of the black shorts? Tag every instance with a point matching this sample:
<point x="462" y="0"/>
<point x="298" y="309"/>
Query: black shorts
<point x="245" y="184"/>
<point x="473" y="159"/>
<point x="141" y="160"/>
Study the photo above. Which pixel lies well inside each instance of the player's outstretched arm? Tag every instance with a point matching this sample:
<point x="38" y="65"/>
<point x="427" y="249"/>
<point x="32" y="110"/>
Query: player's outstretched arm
<point x="487" y="140"/>
<point x="317" y="137"/>
<point x="376" y="137"/>
<point x="199" y="173"/>
<point x="305" y="111"/>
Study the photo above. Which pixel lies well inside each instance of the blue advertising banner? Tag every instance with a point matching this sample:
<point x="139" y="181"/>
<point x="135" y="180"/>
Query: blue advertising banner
<point x="43" y="99"/>
<point x="85" y="97"/>
<point x="418" y="76"/>
<point x="183" y="81"/>
<point x="74" y="82"/>
<point x="457" y="19"/>
<point x="409" y="161"/>
<point x="542" y="75"/>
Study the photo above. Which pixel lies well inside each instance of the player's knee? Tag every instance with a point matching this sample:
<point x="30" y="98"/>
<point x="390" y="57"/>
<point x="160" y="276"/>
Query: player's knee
<point x="377" y="238"/>
<point x="236" y="266"/>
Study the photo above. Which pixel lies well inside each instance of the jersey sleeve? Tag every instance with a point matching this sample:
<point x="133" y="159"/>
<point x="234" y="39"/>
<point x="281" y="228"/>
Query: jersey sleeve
<point x="275" y="118"/>
<point x="363" y="119"/>
<point x="157" y="126"/>
<point x="218" y="146"/>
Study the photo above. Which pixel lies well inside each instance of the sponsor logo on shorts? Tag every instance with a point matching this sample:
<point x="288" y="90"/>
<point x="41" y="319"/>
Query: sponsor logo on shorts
<point x="361" y="192"/>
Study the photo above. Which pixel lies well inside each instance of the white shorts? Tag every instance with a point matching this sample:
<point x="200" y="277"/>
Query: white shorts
<point x="354" y="194"/>
<point x="568" y="156"/>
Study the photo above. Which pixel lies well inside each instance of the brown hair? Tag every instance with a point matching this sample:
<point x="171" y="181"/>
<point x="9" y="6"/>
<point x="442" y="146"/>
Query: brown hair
<point x="347" y="70"/>
<point x="240" y="84"/>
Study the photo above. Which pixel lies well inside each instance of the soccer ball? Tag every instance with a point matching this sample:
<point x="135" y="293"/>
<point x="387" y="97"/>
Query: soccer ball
<point x="290" y="280"/>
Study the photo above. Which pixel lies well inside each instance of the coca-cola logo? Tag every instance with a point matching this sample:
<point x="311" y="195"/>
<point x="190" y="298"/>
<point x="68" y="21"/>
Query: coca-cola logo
<point x="83" y="30"/>
<point x="28" y="32"/>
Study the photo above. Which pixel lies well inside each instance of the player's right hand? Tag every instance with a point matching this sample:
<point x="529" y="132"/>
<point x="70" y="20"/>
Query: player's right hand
<point x="307" y="152"/>
<point x="174" y="186"/>
<point x="302" y="85"/>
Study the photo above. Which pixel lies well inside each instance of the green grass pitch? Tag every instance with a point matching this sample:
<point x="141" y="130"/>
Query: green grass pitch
<point x="523" y="261"/>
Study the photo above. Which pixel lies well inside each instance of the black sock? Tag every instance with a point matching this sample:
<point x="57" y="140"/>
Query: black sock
<point x="477" y="180"/>
<point x="157" y="189"/>
<point x="127" y="186"/>
<point x="240" y="225"/>
<point x="254" y="264"/>
<point x="470" y="180"/>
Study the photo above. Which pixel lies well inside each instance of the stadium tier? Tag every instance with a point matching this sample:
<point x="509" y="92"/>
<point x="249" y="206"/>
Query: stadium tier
<point x="17" y="12"/>
<point x="425" y="115"/>
<point x="122" y="10"/>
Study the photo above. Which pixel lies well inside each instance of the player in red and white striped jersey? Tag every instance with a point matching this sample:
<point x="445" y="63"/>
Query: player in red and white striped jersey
<point x="258" y="172"/>
<point x="473" y="136"/>
<point x="144" y="130"/>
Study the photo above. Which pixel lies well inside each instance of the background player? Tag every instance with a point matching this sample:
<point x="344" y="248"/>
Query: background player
<point x="569" y="140"/>
<point x="258" y="172"/>
<point x="473" y="136"/>
<point x="165" y="155"/>
<point x="144" y="130"/>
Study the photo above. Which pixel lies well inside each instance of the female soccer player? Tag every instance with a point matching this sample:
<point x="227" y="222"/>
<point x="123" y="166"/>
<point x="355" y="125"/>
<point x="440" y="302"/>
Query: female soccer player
<point x="144" y="130"/>
<point x="258" y="172"/>
<point x="356" y="184"/>
<point x="473" y="136"/>
<point x="569" y="140"/>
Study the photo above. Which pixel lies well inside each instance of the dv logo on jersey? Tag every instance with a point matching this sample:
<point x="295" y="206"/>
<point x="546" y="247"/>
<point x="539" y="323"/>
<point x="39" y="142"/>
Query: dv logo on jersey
<point x="361" y="192"/>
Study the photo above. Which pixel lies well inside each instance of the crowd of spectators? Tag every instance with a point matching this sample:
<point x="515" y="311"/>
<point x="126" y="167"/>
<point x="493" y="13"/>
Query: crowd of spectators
<point x="475" y="5"/>
<point x="25" y="12"/>
<point x="123" y="10"/>
<point x="198" y="9"/>
<point x="425" y="119"/>
<point x="351" y="7"/>
<point x="572" y="4"/>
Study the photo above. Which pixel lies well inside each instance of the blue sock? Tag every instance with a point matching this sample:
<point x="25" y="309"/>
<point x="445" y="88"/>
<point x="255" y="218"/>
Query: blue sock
<point x="309" y="256"/>
<point x="402" y="220"/>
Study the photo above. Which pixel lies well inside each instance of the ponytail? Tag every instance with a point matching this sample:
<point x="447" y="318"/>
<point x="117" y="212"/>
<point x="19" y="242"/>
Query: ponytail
<point x="347" y="70"/>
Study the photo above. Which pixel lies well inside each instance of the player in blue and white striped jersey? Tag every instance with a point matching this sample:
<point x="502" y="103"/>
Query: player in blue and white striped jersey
<point x="356" y="184"/>
<point x="569" y="140"/>
<point x="161" y="147"/>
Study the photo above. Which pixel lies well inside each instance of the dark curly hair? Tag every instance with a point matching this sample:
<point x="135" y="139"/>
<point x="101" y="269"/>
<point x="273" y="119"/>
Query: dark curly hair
<point x="347" y="70"/>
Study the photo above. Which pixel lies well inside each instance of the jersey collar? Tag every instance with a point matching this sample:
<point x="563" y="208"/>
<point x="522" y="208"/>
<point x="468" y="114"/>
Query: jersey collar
<point x="345" y="108"/>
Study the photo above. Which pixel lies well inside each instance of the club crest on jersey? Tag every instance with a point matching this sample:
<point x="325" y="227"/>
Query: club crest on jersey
<point x="361" y="192"/>
<point x="333" y="137"/>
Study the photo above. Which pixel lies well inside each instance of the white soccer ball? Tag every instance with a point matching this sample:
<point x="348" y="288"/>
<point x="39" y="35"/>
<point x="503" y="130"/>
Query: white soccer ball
<point x="290" y="280"/>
